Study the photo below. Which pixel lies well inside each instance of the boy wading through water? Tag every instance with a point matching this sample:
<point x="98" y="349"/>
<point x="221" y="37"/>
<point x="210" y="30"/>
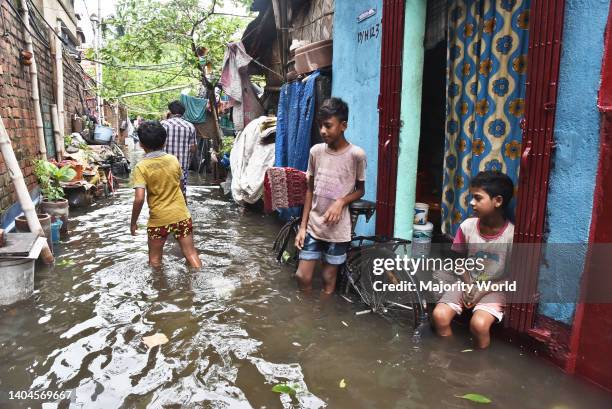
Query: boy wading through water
<point x="160" y="174"/>
<point x="488" y="236"/>
<point x="336" y="176"/>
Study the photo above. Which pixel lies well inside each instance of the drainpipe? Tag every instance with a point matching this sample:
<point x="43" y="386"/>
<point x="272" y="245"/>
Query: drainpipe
<point x="22" y="190"/>
<point x="59" y="72"/>
<point x="57" y="134"/>
<point x="34" y="79"/>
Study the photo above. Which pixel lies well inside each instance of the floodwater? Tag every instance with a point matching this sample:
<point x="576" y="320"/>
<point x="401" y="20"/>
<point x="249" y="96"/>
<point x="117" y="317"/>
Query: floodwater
<point x="235" y="330"/>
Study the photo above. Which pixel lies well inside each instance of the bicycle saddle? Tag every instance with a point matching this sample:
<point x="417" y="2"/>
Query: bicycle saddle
<point x="365" y="207"/>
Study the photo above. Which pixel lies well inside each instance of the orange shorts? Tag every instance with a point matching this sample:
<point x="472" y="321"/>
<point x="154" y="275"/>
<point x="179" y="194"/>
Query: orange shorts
<point x="180" y="230"/>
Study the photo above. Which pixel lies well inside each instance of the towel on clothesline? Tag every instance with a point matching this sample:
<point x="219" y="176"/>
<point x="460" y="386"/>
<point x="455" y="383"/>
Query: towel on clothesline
<point x="195" y="109"/>
<point x="284" y="188"/>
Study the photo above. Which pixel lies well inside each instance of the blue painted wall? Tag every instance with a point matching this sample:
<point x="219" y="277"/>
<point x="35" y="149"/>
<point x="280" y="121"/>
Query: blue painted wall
<point x="572" y="179"/>
<point x="356" y="79"/>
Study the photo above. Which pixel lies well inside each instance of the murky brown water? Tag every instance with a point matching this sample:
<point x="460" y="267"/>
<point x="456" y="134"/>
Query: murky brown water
<point x="235" y="330"/>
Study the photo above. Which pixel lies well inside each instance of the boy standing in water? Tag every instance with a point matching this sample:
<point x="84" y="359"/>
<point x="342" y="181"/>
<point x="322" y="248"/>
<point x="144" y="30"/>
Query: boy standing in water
<point x="487" y="236"/>
<point x="336" y="177"/>
<point x="160" y="174"/>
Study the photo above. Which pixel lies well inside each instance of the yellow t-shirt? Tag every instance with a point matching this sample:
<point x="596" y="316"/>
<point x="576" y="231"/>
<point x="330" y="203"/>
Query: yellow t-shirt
<point x="160" y="176"/>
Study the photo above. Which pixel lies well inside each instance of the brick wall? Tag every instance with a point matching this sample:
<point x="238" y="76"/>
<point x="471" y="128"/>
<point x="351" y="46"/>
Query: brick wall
<point x="16" y="104"/>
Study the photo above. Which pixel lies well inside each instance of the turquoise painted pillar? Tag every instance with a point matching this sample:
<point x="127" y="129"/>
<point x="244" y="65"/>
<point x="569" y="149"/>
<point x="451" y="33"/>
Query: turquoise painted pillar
<point x="356" y="79"/>
<point x="412" y="83"/>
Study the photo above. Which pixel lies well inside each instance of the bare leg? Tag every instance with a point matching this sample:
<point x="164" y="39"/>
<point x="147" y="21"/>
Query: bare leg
<point x="156" y="251"/>
<point x="304" y="274"/>
<point x="329" y="273"/>
<point x="442" y="317"/>
<point x="480" y="326"/>
<point x="189" y="251"/>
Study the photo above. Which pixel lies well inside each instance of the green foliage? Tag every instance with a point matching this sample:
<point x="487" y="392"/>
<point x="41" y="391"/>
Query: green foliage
<point x="475" y="397"/>
<point x="149" y="45"/>
<point x="285" y="388"/>
<point x="227" y="144"/>
<point x="49" y="177"/>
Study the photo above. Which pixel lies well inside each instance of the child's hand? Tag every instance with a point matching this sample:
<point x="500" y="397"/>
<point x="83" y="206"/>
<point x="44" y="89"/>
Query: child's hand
<point x="133" y="228"/>
<point x="334" y="213"/>
<point x="300" y="237"/>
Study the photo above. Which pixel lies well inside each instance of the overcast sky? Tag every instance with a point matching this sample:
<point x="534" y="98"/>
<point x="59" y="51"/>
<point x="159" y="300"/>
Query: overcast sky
<point x="87" y="7"/>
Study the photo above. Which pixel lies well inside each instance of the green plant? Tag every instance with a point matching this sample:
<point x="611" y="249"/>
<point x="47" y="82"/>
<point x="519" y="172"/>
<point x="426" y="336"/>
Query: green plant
<point x="49" y="178"/>
<point x="67" y="140"/>
<point x="227" y="144"/>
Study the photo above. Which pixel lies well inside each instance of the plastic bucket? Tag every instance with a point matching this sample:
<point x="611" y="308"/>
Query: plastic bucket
<point x="103" y="134"/>
<point x="55" y="231"/>
<point x="421" y="211"/>
<point x="421" y="239"/>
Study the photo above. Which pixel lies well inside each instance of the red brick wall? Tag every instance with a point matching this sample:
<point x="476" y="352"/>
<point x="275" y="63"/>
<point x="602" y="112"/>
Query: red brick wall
<point x="16" y="104"/>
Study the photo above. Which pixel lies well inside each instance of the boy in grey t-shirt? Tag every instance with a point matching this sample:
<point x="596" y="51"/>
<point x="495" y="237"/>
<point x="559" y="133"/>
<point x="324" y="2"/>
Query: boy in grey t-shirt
<point x="336" y="177"/>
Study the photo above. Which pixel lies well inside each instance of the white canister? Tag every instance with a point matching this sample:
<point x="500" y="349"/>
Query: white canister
<point x="421" y="211"/>
<point x="421" y="239"/>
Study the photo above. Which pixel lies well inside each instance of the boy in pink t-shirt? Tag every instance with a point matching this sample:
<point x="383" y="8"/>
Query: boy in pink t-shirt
<point x="488" y="236"/>
<point x="336" y="176"/>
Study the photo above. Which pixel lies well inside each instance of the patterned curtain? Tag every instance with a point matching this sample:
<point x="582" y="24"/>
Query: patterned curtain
<point x="486" y="73"/>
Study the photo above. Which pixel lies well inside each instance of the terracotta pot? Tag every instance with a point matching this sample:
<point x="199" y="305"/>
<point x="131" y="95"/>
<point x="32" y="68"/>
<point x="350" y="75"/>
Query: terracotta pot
<point x="21" y="225"/>
<point x="58" y="209"/>
<point x="78" y="168"/>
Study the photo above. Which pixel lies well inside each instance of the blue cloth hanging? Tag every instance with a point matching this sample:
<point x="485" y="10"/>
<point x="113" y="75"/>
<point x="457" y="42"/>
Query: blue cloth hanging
<point x="293" y="129"/>
<point x="303" y="140"/>
<point x="195" y="109"/>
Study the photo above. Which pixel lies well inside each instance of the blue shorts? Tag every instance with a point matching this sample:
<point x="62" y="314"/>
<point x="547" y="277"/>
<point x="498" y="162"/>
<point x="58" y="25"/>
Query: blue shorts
<point x="334" y="253"/>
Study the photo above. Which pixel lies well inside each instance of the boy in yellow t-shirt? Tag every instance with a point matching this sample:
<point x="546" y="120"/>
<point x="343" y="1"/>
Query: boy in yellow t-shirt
<point x="159" y="173"/>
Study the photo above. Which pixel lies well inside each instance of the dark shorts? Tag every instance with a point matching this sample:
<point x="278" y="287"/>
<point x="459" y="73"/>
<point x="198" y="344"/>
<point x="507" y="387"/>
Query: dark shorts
<point x="333" y="253"/>
<point x="180" y="230"/>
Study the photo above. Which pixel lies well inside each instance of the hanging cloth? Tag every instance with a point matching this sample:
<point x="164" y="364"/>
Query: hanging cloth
<point x="486" y="74"/>
<point x="195" y="109"/>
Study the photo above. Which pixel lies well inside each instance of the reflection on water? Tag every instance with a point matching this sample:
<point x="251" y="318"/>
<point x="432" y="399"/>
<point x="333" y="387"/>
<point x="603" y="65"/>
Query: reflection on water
<point x="235" y="329"/>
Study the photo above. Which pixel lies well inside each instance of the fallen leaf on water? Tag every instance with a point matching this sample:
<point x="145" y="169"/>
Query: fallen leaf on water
<point x="345" y="324"/>
<point x="467" y="350"/>
<point x="342" y="383"/>
<point x="155" y="340"/>
<point x="66" y="262"/>
<point x="475" y="397"/>
<point x="284" y="388"/>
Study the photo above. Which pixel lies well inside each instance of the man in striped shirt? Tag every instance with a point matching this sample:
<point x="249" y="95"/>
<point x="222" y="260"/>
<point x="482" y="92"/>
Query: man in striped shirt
<point x="181" y="141"/>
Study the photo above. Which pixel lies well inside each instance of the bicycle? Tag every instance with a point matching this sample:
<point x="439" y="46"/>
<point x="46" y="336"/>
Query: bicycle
<point x="357" y="278"/>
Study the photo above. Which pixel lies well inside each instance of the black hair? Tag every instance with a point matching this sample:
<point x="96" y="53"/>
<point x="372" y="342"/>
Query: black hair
<point x="176" y="108"/>
<point x="333" y="107"/>
<point x="152" y="135"/>
<point x="495" y="183"/>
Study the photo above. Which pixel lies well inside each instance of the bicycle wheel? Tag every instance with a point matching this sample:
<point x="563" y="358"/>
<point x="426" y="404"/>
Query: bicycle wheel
<point x="372" y="283"/>
<point x="284" y="243"/>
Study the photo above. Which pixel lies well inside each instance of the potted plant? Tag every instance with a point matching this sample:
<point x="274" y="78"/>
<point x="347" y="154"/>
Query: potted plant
<point x="54" y="202"/>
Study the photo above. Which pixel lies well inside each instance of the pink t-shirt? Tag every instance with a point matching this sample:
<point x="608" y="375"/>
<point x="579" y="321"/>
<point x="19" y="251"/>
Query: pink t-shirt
<point x="494" y="250"/>
<point x="335" y="176"/>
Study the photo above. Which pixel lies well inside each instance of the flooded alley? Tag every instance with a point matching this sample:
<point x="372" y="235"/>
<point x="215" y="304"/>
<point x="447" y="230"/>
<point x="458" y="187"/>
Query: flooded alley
<point x="236" y="329"/>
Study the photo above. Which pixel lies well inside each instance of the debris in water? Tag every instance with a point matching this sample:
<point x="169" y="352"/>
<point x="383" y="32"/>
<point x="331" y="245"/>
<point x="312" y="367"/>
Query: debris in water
<point x="475" y="397"/>
<point x="345" y="324"/>
<point x="296" y="344"/>
<point x="467" y="350"/>
<point x="342" y="383"/>
<point x="66" y="262"/>
<point x="284" y="388"/>
<point x="155" y="340"/>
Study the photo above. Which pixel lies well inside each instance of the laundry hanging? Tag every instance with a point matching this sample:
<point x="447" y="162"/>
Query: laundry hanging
<point x="195" y="109"/>
<point x="238" y="87"/>
<point x="486" y="74"/>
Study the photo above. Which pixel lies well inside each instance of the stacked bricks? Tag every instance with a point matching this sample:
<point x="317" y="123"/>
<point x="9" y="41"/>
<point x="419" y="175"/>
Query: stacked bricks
<point x="16" y="104"/>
